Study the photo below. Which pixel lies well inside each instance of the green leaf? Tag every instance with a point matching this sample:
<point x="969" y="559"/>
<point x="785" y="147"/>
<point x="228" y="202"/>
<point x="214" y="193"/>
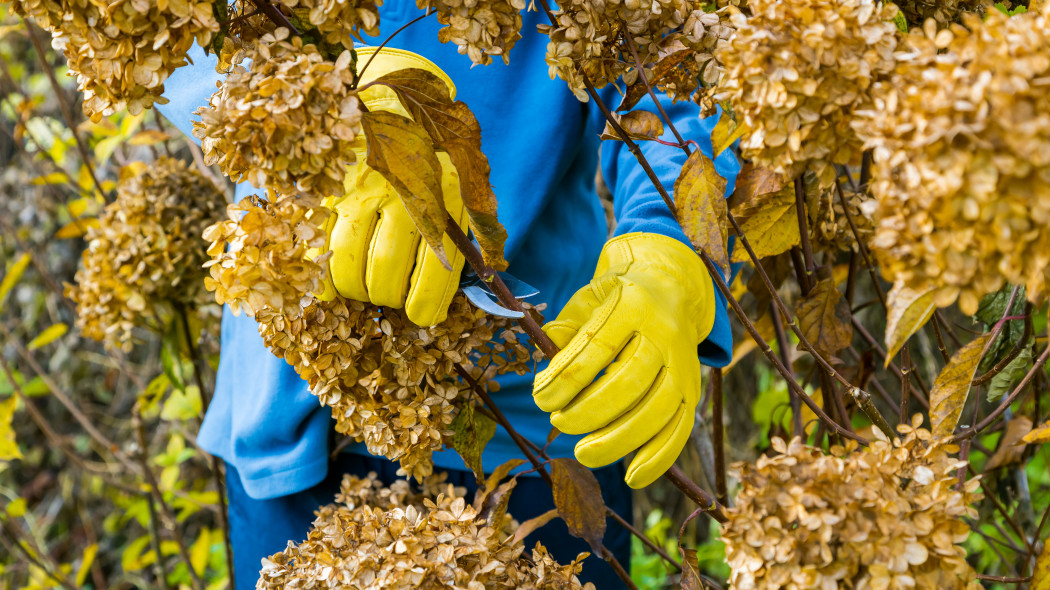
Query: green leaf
<point x="1011" y="375"/>
<point x="132" y="559"/>
<point x="472" y="432"/>
<point x="8" y="446"/>
<point x="950" y="389"/>
<point x="700" y="202"/>
<point x="453" y="128"/>
<point x="12" y="276"/>
<point x="52" y="333"/>
<point x="403" y="153"/>
<point x="578" y="498"/>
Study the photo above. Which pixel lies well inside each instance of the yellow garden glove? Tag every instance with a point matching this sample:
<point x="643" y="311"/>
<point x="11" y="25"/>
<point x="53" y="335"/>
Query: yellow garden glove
<point x="377" y="254"/>
<point x="637" y="324"/>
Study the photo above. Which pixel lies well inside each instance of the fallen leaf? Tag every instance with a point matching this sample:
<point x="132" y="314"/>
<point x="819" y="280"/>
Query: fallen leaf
<point x="403" y="153"/>
<point x="951" y="387"/>
<point x="578" y="498"/>
<point x="639" y="125"/>
<point x="1012" y="445"/>
<point x="699" y="197"/>
<point x="824" y="318"/>
<point x="908" y="311"/>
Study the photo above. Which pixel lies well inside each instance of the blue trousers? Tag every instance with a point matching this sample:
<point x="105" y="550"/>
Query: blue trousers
<point x="260" y="528"/>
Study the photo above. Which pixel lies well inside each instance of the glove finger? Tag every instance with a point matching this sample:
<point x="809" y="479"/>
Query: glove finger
<point x="577" y="311"/>
<point x="391" y="256"/>
<point x="327" y="290"/>
<point x="432" y="286"/>
<point x="657" y="455"/>
<point x="632" y="429"/>
<point x="356" y="218"/>
<point x="625" y="381"/>
<point x="594" y="346"/>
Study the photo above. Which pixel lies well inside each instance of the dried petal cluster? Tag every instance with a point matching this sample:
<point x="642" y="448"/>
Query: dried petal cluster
<point x="687" y="68"/>
<point x="122" y="51"/>
<point x="887" y="516"/>
<point x="480" y="29"/>
<point x="287" y="121"/>
<point x="797" y="71"/>
<point x="146" y="252"/>
<point x="944" y="12"/>
<point x="391" y="384"/>
<point x="961" y="159"/>
<point x="595" y="38"/>
<point x="829" y="220"/>
<point x="339" y="21"/>
<point x="393" y="537"/>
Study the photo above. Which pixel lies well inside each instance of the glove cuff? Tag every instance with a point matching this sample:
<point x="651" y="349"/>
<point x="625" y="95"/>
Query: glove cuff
<point x="668" y="255"/>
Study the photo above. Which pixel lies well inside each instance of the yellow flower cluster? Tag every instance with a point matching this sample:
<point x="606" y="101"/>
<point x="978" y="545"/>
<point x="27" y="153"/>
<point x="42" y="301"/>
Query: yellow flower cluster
<point x="590" y="36"/>
<point x="146" y="252"/>
<point x="887" y="516"/>
<point x="961" y="159"/>
<point x="122" y="51"/>
<point x="391" y="384"/>
<point x="480" y="28"/>
<point x="392" y="537"/>
<point x="797" y="71"/>
<point x="285" y="122"/>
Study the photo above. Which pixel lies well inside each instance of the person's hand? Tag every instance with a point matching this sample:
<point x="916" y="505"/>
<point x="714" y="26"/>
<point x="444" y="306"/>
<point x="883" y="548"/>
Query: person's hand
<point x="628" y="372"/>
<point x="378" y="255"/>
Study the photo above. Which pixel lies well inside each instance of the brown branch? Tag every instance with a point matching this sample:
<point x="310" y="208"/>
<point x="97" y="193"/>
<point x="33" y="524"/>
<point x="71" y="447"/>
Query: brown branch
<point x="718" y="434"/>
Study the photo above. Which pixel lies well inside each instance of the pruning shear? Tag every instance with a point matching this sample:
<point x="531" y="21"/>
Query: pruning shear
<point x="480" y="293"/>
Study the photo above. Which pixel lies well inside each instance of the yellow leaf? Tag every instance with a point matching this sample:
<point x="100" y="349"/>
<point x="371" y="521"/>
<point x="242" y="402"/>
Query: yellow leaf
<point x="824" y="318"/>
<point x="640" y="125"/>
<point x="85" y="563"/>
<point x="52" y="178"/>
<point x="76" y="228"/>
<point x="200" y="550"/>
<point x="17" y="508"/>
<point x="148" y="137"/>
<point x="951" y="387"/>
<point x="12" y="276"/>
<point x="772" y="228"/>
<point x="1039" y="435"/>
<point x="52" y="333"/>
<point x="700" y="201"/>
<point x="1041" y="575"/>
<point x="726" y="132"/>
<point x="908" y="311"/>
<point x="8" y="447"/>
<point x="1011" y="446"/>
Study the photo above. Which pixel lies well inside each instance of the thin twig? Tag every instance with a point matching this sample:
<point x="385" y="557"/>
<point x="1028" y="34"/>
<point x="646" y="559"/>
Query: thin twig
<point x="718" y="434"/>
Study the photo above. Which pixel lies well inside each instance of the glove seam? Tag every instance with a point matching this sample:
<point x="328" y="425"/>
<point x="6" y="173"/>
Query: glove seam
<point x="576" y="344"/>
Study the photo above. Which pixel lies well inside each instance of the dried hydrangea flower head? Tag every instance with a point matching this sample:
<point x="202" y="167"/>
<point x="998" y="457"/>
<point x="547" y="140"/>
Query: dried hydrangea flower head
<point x="589" y="36"/>
<point x="961" y="155"/>
<point x="378" y="537"/>
<point x="944" y="12"/>
<point x="146" y="252"/>
<point x="287" y="121"/>
<point x="339" y="21"/>
<point x="480" y="29"/>
<point x="829" y="220"/>
<point x="122" y="51"/>
<point x="797" y="71"/>
<point x="390" y="384"/>
<point x="884" y="516"/>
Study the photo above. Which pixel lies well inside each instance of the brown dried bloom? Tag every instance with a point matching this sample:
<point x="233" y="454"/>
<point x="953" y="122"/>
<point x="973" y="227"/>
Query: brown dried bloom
<point x="589" y="38"/>
<point x="480" y="28"/>
<point x="886" y="516"/>
<point x="960" y="158"/>
<point x="339" y="21"/>
<point x="145" y="255"/>
<point x="828" y="221"/>
<point x="945" y="12"/>
<point x="391" y="384"/>
<point x="377" y="537"/>
<point x="797" y="71"/>
<point x="286" y="122"/>
<point x="122" y="51"/>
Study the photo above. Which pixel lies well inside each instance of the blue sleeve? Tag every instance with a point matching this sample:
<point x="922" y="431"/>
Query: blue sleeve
<point x="639" y="207"/>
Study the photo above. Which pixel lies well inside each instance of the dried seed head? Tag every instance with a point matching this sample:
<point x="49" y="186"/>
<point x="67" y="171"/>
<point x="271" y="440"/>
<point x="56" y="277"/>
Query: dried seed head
<point x="394" y="537"/>
<point x="797" y="71"/>
<point x="145" y="255"/>
<point x="884" y="516"/>
<point x="122" y="51"/>
<point x="963" y="196"/>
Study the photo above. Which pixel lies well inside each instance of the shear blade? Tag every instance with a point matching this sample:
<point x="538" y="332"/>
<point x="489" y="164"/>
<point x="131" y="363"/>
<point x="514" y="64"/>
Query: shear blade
<point x="481" y="298"/>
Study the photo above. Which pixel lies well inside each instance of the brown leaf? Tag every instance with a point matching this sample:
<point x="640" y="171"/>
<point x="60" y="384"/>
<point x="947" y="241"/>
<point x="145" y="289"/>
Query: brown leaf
<point x="472" y="431"/>
<point x="453" y="128"/>
<point x="753" y="183"/>
<point x="951" y="387"/>
<point x="501" y="472"/>
<point x="578" y="498"/>
<point x="1041" y="573"/>
<point x="1012" y="444"/>
<point x="778" y="268"/>
<point x="824" y="318"/>
<point x="772" y="228"/>
<point x="909" y="310"/>
<point x="639" y="89"/>
<point x="494" y="508"/>
<point x="699" y="197"/>
<point x="526" y="528"/>
<point x="401" y="151"/>
<point x="639" y="125"/>
<point x="1039" y="435"/>
<point x="691" y="579"/>
<point x="726" y="132"/>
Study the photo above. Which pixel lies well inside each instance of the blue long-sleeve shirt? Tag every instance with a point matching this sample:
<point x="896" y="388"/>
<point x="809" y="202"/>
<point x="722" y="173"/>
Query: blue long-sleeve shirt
<point x="543" y="147"/>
